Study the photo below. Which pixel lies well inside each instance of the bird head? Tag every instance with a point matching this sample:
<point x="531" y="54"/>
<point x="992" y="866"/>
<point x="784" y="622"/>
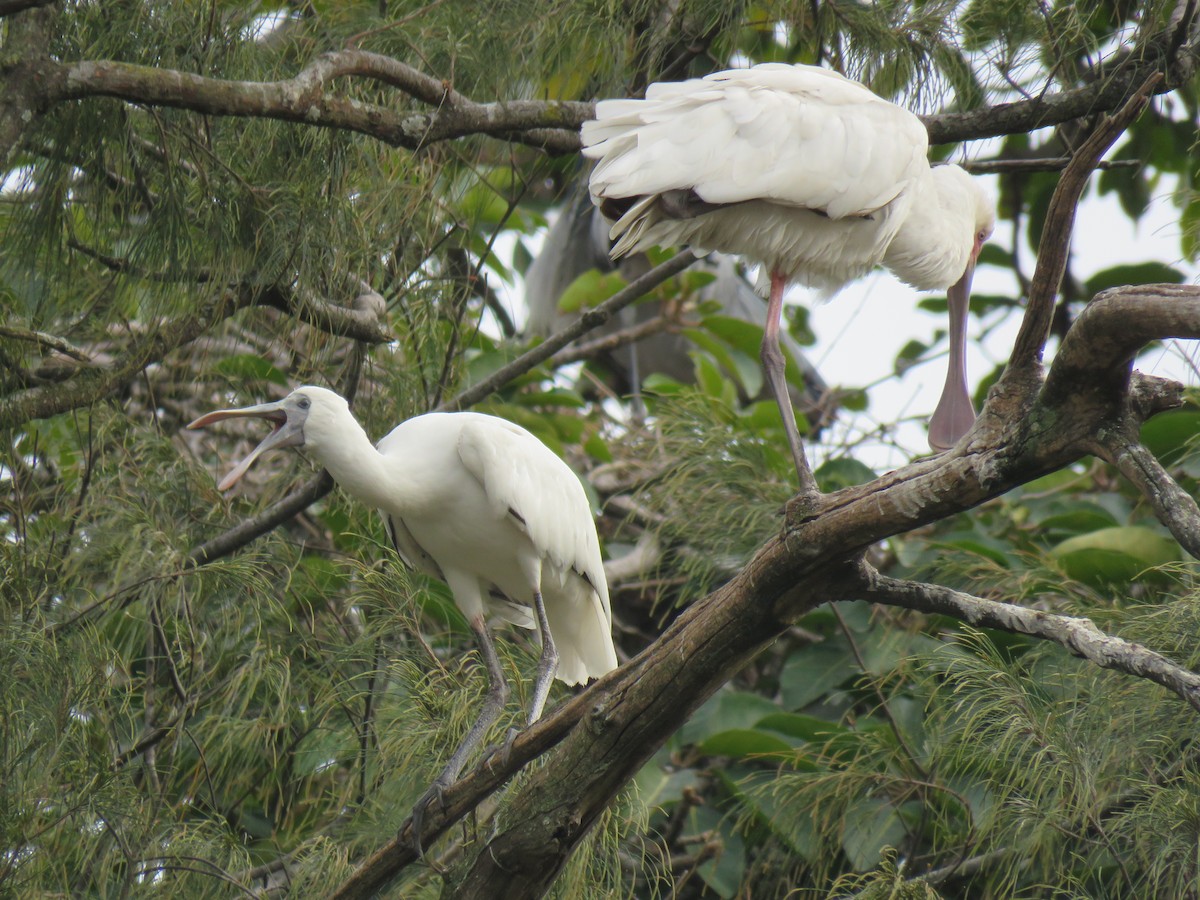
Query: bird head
<point x="301" y="419"/>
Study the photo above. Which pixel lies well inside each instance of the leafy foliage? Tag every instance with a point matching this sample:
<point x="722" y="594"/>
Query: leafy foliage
<point x="262" y="720"/>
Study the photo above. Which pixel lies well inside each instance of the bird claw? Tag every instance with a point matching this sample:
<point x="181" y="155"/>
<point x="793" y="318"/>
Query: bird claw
<point x="503" y="749"/>
<point x="434" y="793"/>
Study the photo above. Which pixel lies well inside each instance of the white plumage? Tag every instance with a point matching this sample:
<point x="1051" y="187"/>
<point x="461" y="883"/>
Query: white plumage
<point x="491" y="507"/>
<point x="803" y="171"/>
<point x="483" y="505"/>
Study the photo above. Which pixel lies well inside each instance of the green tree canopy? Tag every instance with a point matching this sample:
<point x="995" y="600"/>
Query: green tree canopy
<point x="971" y="677"/>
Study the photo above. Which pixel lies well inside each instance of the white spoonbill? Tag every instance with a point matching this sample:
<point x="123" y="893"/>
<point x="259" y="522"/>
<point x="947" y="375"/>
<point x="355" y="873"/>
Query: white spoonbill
<point x="808" y="174"/>
<point x="486" y="507"/>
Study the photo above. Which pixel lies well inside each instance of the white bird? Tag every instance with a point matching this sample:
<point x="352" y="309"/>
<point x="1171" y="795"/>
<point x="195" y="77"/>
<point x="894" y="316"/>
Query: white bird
<point x="807" y="173"/>
<point x="486" y="507"/>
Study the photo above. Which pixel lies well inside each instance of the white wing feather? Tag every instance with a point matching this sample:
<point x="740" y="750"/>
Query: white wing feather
<point x="520" y="474"/>
<point x="793" y="135"/>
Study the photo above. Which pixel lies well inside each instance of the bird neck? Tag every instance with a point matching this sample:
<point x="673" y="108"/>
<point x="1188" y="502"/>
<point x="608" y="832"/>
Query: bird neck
<point x="352" y="460"/>
<point x="931" y="248"/>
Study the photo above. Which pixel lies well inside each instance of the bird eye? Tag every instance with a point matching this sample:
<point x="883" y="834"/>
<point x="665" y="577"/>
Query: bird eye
<point x="304" y="403"/>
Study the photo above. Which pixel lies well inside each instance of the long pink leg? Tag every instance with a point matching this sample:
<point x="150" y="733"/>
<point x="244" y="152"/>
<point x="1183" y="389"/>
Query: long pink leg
<point x="774" y="364"/>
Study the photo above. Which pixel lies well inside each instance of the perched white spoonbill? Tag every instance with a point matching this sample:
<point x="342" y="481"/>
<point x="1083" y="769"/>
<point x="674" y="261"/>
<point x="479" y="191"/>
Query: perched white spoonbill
<point x="808" y="174"/>
<point x="481" y="504"/>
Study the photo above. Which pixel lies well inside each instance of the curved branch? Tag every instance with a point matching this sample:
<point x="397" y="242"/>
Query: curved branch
<point x="1078" y="635"/>
<point x="1174" y="506"/>
<point x="1097" y="353"/>
<point x="306" y="99"/>
<point x="550" y="125"/>
<point x="49" y="341"/>
<point x="363" y="324"/>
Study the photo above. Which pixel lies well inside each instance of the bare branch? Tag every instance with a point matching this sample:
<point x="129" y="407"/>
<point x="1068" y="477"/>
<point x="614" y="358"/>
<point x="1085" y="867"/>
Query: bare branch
<point x="1097" y="353"/>
<point x="1174" y="506"/>
<point x="1078" y="635"/>
<point x="613" y="341"/>
<point x="1054" y="248"/>
<point x="94" y="384"/>
<point x="274" y="515"/>
<point x="593" y="318"/>
<point x="306" y="99"/>
<point x="50" y="341"/>
<point x="361" y="322"/>
<point x="364" y="325"/>
<point x="1045" y="164"/>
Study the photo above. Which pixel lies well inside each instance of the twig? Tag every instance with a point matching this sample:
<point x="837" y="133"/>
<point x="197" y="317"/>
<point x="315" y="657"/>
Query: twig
<point x="611" y="342"/>
<point x="1045" y="164"/>
<point x="586" y="322"/>
<point x="1079" y="635"/>
<point x="51" y="341"/>
<point x="1174" y="506"/>
<point x="1054" y="247"/>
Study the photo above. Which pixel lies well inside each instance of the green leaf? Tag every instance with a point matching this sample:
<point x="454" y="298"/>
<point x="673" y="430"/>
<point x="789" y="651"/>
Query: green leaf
<point x="868" y="828"/>
<point x="797" y="725"/>
<point x="1115" y="555"/>
<point x="665" y="385"/>
<point x="248" y="367"/>
<point x="1088" y="518"/>
<point x="597" y="448"/>
<point x="1133" y="273"/>
<point x="725" y="711"/>
<point x="1172" y="435"/>
<point x="712" y="381"/>
<point x="659" y="784"/>
<point x="745" y="336"/>
<point x="1189" y="228"/>
<point x="812" y="672"/>
<point x="840" y="473"/>
<point x="589" y="289"/>
<point x="743" y="742"/>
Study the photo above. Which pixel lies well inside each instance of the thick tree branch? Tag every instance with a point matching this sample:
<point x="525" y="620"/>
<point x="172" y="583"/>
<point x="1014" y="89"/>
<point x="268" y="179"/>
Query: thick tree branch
<point x="1113" y="328"/>
<point x="9" y="7"/>
<point x="1078" y="635"/>
<point x="307" y="99"/>
<point x="815" y="559"/>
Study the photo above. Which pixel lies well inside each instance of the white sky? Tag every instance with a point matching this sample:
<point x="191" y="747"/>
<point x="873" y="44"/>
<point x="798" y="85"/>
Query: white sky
<point x="862" y="329"/>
